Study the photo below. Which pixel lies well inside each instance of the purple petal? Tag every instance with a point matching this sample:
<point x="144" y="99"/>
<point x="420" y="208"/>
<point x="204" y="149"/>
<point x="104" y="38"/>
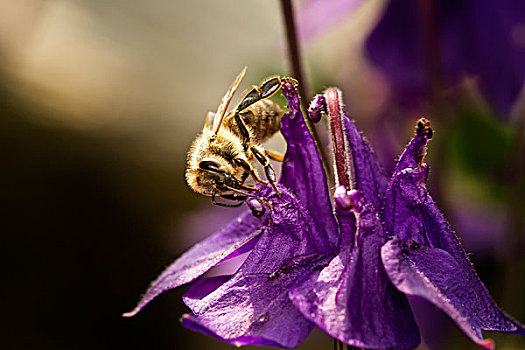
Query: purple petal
<point x="369" y="177"/>
<point x="302" y="170"/>
<point x="413" y="215"/>
<point x="415" y="151"/>
<point x="190" y="321"/>
<point x="257" y="312"/>
<point x="432" y="274"/>
<point x="253" y="307"/>
<point x="352" y="298"/>
<point x="199" y="289"/>
<point x="218" y="247"/>
<point x="317" y="108"/>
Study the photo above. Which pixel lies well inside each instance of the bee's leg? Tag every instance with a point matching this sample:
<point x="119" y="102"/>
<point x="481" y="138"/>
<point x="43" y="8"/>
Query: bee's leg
<point x="249" y="99"/>
<point x="244" y="176"/>
<point x="257" y="93"/>
<point x="246" y="188"/>
<point x="244" y="130"/>
<point x="274" y="155"/>
<point x="233" y="197"/>
<point x="249" y="169"/>
<point x="268" y="169"/>
<point x="265" y="90"/>
<point x="240" y="191"/>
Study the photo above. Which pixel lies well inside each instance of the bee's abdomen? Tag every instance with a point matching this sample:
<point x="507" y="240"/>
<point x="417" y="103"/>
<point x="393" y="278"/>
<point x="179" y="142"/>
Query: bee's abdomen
<point x="264" y="118"/>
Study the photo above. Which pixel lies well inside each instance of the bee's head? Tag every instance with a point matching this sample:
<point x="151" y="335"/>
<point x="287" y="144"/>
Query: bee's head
<point x="210" y="174"/>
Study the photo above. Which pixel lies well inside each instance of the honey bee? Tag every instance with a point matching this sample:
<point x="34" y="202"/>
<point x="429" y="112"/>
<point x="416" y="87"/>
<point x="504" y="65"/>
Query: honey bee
<point x="219" y="160"/>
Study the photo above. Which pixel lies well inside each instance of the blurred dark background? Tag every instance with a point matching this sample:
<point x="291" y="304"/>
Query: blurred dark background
<point x="99" y="101"/>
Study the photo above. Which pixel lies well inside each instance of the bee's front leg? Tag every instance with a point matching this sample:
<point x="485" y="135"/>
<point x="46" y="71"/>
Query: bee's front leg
<point x="268" y="169"/>
<point x="248" y="168"/>
<point x="244" y="176"/>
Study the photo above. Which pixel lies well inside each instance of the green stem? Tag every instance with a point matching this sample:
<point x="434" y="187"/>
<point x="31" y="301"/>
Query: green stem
<point x="293" y="48"/>
<point x="294" y="54"/>
<point x="339" y="345"/>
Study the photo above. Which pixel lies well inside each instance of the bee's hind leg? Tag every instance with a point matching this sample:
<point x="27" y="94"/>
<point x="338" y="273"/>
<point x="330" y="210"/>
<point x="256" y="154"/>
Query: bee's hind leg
<point x="268" y="169"/>
<point x="269" y="87"/>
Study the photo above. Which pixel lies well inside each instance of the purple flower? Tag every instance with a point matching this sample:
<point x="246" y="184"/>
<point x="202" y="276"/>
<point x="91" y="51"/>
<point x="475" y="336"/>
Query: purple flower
<point x="294" y="236"/>
<point x="392" y="235"/>
<point x="425" y="258"/>
<point x="349" y="271"/>
<point x="483" y="39"/>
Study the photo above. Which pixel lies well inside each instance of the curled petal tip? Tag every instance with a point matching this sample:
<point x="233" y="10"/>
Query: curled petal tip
<point x="130" y="313"/>
<point x="317" y="107"/>
<point x="288" y="87"/>
<point x="289" y="92"/>
<point x="414" y="154"/>
<point x="424" y="129"/>
<point x="487" y="344"/>
<point x="185" y="317"/>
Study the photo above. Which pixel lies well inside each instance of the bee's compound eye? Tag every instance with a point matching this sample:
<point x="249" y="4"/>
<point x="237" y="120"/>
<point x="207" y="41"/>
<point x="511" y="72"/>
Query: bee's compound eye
<point x="209" y="166"/>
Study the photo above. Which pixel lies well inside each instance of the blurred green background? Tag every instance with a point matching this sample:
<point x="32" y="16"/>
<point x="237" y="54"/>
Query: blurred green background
<point x="99" y="102"/>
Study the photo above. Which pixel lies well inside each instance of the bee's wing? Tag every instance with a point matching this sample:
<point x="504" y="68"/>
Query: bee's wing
<point x="209" y="121"/>
<point x="221" y="111"/>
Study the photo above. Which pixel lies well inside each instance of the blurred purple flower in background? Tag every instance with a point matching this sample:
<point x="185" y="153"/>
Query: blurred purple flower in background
<point x="318" y="15"/>
<point x="419" y="41"/>
<point x="440" y="57"/>
<point x="426" y="45"/>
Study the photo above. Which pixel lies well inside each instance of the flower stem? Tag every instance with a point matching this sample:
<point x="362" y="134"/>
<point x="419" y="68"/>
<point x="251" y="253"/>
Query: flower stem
<point x="339" y="345"/>
<point x="297" y="71"/>
<point x="293" y="48"/>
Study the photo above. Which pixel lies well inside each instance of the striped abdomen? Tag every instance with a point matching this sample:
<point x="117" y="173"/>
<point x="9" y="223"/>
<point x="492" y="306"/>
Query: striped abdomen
<point x="263" y="118"/>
